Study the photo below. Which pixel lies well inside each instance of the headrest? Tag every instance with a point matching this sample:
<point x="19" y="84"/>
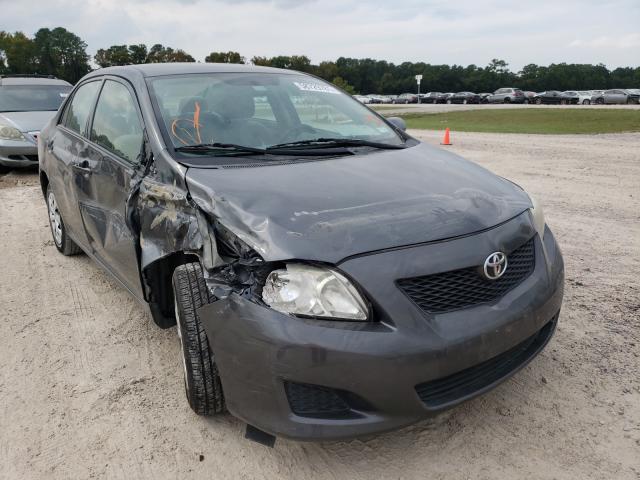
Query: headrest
<point x="232" y="102"/>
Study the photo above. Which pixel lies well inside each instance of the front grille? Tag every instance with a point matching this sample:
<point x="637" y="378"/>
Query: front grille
<point x="316" y="401"/>
<point x="459" y="386"/>
<point x="467" y="287"/>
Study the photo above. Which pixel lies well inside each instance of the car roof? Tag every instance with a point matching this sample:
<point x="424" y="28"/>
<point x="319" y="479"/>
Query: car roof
<point x="31" y="80"/>
<point x="161" y="69"/>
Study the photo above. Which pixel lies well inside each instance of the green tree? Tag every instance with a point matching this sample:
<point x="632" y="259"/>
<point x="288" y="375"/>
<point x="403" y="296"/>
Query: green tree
<point x="161" y="54"/>
<point x="18" y="53"/>
<point x="342" y="83"/>
<point x="138" y="53"/>
<point x="224" y="57"/>
<point x="61" y="53"/>
<point x="114" y="55"/>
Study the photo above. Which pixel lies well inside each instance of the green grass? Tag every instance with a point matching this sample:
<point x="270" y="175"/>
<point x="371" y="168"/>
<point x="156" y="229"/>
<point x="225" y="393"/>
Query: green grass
<point x="530" y="120"/>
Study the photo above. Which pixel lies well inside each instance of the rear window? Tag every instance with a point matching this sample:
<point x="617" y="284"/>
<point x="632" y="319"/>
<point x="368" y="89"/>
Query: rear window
<point x="32" y="98"/>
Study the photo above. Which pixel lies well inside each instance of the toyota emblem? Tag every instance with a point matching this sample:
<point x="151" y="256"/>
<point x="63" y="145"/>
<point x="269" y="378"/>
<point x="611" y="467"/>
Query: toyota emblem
<point x="495" y="265"/>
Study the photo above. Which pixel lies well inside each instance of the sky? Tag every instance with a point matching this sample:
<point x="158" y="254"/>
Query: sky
<point x="459" y="32"/>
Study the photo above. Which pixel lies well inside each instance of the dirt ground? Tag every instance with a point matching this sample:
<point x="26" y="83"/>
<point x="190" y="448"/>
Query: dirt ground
<point x="89" y="388"/>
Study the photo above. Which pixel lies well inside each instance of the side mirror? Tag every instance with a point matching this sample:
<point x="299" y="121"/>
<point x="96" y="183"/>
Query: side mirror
<point x="398" y="123"/>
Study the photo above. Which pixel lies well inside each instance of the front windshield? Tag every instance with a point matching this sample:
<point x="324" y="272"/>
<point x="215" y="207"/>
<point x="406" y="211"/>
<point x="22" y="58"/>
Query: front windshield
<point x="32" y="98"/>
<point x="261" y="110"/>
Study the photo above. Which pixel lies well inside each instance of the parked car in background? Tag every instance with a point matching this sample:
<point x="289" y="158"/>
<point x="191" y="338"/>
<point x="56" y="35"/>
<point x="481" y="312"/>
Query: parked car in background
<point x="362" y="99"/>
<point x="618" y="97"/>
<point x="396" y="299"/>
<point x="507" y="95"/>
<point x="442" y="98"/>
<point x="570" y="97"/>
<point x="464" y="98"/>
<point x="27" y="103"/>
<point x="584" y="97"/>
<point x="406" y="98"/>
<point x="374" y="98"/>
<point x="431" y="97"/>
<point x="550" y="97"/>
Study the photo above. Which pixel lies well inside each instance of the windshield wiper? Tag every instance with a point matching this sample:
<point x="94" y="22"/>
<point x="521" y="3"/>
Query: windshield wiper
<point x="338" y="142"/>
<point x="226" y="147"/>
<point x="289" y="151"/>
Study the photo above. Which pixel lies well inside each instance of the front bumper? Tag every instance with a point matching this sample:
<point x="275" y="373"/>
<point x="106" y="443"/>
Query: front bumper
<point x="18" y="154"/>
<point x="383" y="369"/>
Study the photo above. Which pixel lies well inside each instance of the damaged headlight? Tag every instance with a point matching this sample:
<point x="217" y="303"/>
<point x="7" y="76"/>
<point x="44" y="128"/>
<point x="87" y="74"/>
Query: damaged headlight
<point x="538" y="216"/>
<point x="313" y="291"/>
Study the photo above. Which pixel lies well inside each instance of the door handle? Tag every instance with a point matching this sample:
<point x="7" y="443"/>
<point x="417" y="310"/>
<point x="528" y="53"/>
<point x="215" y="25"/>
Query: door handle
<point x="83" y="167"/>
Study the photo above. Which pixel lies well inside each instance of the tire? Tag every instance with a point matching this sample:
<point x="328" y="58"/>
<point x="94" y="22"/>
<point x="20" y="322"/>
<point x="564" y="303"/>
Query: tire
<point x="586" y="102"/>
<point x="464" y="102"/>
<point x="630" y="101"/>
<point x="538" y="101"/>
<point x="563" y="102"/>
<point x="4" y="169"/>
<point x="600" y="101"/>
<point x="449" y="102"/>
<point x="507" y="100"/>
<point x="61" y="239"/>
<point x="201" y="379"/>
<point x="525" y="101"/>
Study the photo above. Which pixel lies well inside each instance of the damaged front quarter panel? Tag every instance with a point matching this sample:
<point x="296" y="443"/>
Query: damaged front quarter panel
<point x="170" y="222"/>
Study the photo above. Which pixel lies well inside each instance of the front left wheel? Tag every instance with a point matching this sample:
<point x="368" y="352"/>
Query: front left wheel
<point x="202" y="382"/>
<point x="61" y="239"/>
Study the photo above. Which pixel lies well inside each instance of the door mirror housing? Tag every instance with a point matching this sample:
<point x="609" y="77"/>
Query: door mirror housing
<point x="398" y="123"/>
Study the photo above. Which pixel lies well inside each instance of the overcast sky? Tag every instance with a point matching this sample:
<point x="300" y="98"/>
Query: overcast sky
<point x="439" y="31"/>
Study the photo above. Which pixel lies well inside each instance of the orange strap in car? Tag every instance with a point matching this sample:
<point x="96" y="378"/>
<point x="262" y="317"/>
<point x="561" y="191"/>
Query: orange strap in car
<point x="191" y="130"/>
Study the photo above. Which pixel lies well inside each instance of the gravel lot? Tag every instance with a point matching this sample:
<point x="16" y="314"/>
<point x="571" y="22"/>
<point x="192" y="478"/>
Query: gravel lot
<point x="90" y="388"/>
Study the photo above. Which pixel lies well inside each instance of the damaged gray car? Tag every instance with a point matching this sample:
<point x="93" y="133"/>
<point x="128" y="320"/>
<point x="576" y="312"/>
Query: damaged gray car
<point x="330" y="276"/>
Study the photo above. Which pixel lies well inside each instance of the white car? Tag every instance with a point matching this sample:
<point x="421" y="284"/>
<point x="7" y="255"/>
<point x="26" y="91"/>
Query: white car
<point x="584" y="97"/>
<point x="362" y="99"/>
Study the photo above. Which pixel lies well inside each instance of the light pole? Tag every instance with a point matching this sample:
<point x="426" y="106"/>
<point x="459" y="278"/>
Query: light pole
<point x="418" y="78"/>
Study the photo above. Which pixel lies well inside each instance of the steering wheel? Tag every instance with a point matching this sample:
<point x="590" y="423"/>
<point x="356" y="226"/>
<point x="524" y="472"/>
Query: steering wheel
<point x="188" y="131"/>
<point x="292" y="134"/>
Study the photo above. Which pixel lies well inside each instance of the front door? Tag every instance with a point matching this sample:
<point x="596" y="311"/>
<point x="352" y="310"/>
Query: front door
<point x="104" y="181"/>
<point x="67" y="143"/>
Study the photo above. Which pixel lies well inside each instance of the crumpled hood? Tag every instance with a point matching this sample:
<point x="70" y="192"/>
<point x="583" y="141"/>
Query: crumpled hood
<point x="330" y="209"/>
<point x="27" y="121"/>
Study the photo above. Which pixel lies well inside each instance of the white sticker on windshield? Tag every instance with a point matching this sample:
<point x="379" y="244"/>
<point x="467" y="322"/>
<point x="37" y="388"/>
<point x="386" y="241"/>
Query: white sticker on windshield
<point x="316" y="87"/>
<point x="64" y="95"/>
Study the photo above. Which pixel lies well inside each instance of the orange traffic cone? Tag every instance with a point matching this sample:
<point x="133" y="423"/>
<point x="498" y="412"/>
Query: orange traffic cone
<point x="446" y="140"/>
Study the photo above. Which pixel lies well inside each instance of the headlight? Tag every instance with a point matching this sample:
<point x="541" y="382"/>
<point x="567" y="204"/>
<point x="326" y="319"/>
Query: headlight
<point x="313" y="291"/>
<point x="538" y="216"/>
<point x="10" y="133"/>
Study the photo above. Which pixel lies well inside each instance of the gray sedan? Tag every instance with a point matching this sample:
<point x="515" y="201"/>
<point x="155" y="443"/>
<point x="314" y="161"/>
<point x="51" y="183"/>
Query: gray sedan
<point x="27" y="103"/>
<point x="329" y="275"/>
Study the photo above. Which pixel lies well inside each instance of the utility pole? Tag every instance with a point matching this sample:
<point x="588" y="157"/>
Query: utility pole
<point x="418" y="79"/>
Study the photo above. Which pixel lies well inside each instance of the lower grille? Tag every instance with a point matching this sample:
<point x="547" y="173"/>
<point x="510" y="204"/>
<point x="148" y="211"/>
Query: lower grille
<point x="459" y="386"/>
<point x="464" y="288"/>
<point x="33" y="158"/>
<point x="315" y="401"/>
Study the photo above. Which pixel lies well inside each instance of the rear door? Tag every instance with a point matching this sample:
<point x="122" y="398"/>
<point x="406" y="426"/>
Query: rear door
<point x="66" y="145"/>
<point x="104" y="181"/>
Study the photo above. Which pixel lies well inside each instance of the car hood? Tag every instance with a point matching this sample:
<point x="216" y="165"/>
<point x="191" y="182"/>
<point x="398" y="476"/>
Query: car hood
<point x="330" y="209"/>
<point x="27" y="121"/>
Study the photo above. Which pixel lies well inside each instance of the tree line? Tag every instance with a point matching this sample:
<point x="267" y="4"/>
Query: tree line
<point x="63" y="54"/>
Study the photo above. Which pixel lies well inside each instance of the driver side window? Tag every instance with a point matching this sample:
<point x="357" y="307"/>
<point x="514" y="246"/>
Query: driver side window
<point x="116" y="124"/>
